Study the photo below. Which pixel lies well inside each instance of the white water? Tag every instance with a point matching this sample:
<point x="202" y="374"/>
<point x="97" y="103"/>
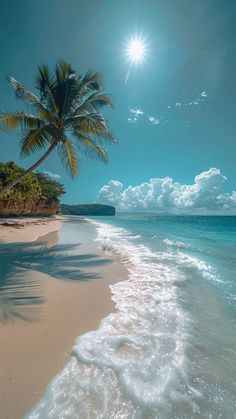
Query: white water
<point x="134" y="365"/>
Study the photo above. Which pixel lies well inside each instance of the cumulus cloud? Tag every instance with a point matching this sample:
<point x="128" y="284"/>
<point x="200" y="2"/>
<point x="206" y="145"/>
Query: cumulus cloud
<point x="111" y="193"/>
<point x="54" y="176"/>
<point x="205" y="193"/>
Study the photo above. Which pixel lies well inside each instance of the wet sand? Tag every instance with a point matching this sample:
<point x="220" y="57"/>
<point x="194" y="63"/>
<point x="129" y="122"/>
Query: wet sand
<point x="34" y="351"/>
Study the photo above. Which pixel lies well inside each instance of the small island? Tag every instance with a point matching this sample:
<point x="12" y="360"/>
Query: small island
<point x="87" y="209"/>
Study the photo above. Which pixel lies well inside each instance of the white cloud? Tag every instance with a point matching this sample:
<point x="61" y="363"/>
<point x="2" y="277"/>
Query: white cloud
<point x="153" y="120"/>
<point x="137" y="113"/>
<point x="111" y="193"/>
<point x="132" y="120"/>
<point x="228" y="200"/>
<point x="164" y="194"/>
<point x="193" y="102"/>
<point x="54" y="176"/>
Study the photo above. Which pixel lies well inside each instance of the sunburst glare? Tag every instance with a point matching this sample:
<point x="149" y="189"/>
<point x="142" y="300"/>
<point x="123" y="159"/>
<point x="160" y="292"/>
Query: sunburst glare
<point x="136" y="50"/>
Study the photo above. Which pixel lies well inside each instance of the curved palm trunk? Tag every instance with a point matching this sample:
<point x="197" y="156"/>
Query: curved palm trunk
<point x="35" y="165"/>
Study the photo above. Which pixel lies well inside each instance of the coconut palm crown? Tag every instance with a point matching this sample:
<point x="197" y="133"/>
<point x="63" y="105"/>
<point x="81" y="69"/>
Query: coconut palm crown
<point x="65" y="116"/>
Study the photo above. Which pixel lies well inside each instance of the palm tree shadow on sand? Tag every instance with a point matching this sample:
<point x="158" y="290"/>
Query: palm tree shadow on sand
<point x="21" y="291"/>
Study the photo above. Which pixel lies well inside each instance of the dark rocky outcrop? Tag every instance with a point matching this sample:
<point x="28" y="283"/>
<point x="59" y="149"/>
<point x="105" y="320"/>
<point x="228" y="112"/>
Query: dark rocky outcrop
<point x="43" y="207"/>
<point x="87" y="209"/>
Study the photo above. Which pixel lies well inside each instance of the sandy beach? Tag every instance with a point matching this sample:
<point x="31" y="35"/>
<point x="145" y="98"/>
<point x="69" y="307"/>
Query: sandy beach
<point x="34" y="350"/>
<point x="27" y="229"/>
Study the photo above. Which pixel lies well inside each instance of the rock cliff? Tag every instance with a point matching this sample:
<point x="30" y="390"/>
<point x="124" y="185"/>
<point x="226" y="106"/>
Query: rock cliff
<point x="42" y="207"/>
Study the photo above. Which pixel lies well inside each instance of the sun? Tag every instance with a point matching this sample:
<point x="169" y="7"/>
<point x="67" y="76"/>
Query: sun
<point x="136" y="50"/>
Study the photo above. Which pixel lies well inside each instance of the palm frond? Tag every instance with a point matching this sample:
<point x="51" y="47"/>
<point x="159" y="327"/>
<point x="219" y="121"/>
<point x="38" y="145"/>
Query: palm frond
<point x="91" y="81"/>
<point x="22" y="92"/>
<point x="99" y="100"/>
<point x="63" y="70"/>
<point x="44" y="79"/>
<point x="45" y="83"/>
<point x="28" y="97"/>
<point x="11" y="121"/>
<point x="91" y="124"/>
<point x="91" y="102"/>
<point x="35" y="140"/>
<point x="69" y="92"/>
<point x="90" y="147"/>
<point x="39" y="138"/>
<point x="65" y="89"/>
<point x="68" y="156"/>
<point x="50" y="101"/>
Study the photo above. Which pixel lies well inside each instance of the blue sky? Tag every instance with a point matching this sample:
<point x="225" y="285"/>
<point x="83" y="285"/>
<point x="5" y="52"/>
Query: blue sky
<point x="191" y="50"/>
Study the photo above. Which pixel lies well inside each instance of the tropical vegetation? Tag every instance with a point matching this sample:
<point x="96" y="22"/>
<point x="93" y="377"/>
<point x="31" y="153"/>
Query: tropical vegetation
<point x="65" y="116"/>
<point x="31" y="189"/>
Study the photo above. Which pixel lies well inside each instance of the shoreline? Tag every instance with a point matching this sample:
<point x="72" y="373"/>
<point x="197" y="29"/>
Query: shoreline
<point x="69" y="309"/>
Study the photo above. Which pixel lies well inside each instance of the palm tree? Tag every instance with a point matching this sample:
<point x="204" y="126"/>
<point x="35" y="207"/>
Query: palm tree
<point x="66" y="104"/>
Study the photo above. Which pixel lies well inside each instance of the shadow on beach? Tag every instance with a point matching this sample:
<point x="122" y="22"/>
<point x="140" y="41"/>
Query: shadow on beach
<point x="21" y="291"/>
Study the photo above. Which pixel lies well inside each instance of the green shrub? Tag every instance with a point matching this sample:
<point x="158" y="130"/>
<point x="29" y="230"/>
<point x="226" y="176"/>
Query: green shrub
<point x="30" y="189"/>
<point x="51" y="189"/>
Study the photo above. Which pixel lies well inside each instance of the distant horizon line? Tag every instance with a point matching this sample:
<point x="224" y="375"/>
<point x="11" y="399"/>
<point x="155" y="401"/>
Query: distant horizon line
<point x="159" y="212"/>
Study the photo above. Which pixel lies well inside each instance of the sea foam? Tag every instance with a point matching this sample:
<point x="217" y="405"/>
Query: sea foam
<point x="134" y="365"/>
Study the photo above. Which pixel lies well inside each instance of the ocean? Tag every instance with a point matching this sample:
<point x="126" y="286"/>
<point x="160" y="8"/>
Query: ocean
<point x="169" y="350"/>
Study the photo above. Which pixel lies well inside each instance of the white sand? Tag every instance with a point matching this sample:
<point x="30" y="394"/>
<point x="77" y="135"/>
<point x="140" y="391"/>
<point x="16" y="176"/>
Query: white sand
<point x="32" y="353"/>
<point x="27" y="229"/>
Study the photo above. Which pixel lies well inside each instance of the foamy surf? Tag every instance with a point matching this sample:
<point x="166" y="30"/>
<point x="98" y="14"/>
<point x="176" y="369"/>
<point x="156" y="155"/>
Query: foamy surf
<point x="140" y="362"/>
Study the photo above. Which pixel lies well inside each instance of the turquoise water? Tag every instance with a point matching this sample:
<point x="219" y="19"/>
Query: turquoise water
<point x="169" y="351"/>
